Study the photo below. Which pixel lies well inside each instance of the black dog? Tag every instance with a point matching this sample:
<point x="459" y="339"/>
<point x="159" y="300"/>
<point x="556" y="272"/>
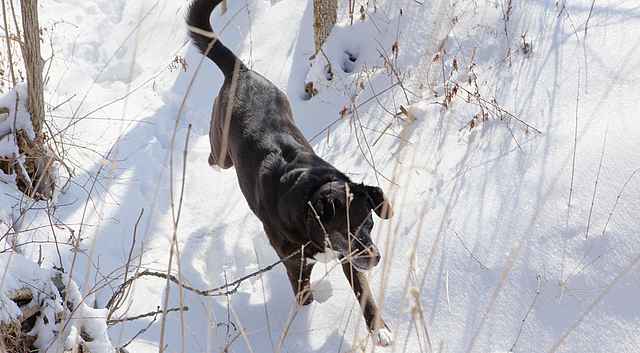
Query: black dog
<point x="307" y="206"/>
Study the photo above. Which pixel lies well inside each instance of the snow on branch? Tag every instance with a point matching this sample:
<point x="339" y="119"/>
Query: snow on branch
<point x="43" y="310"/>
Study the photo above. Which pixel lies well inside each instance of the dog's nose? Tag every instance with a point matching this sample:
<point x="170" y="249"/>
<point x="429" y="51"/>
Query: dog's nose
<point x="374" y="255"/>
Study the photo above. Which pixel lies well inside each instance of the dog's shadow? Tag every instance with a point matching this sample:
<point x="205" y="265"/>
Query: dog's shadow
<point x="262" y="315"/>
<point x="248" y="320"/>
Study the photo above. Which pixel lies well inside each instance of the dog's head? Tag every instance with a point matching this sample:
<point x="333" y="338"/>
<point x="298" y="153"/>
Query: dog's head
<point x="340" y="220"/>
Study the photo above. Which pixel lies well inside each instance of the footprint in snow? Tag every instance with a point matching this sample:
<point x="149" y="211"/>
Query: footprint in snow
<point x="349" y="61"/>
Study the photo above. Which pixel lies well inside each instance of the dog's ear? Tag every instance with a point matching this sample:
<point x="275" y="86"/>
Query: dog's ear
<point x="379" y="202"/>
<point x="320" y="212"/>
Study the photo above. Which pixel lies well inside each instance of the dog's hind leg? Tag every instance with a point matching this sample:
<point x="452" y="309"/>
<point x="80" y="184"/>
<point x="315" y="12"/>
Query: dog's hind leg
<point x="360" y="285"/>
<point x="219" y="144"/>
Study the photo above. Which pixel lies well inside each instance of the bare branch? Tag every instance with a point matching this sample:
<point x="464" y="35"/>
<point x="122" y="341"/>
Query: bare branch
<point x="149" y="314"/>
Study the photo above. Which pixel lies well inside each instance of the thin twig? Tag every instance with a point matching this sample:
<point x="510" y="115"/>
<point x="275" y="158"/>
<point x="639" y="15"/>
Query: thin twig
<point x="595" y="185"/>
<point x="55" y="239"/>
<point x="213" y="292"/>
<point x="615" y="204"/>
<point x="575" y="146"/>
<point x="586" y="24"/>
<point x="500" y="109"/>
<point x="266" y="309"/>
<point x="143" y="330"/>
<point x="524" y="319"/>
<point x="8" y="41"/>
<point x="357" y="106"/>
<point x="110" y="304"/>
<point x="175" y="213"/>
<point x="593" y="304"/>
<point x="469" y="251"/>
<point x="142" y="316"/>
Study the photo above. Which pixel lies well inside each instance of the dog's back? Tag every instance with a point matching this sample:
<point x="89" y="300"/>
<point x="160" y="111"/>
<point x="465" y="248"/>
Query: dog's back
<point x="261" y="135"/>
<point x="252" y="124"/>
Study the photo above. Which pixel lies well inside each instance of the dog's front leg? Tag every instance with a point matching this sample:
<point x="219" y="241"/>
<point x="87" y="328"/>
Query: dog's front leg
<point x="299" y="272"/>
<point x="298" y="268"/>
<point x="376" y="325"/>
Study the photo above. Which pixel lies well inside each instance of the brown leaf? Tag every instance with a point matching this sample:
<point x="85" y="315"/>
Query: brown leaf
<point x="395" y="48"/>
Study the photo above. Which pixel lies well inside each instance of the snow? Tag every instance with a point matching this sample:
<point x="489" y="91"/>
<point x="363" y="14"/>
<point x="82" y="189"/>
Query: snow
<point x="503" y="239"/>
<point x="20" y="273"/>
<point x="8" y="147"/>
<point x="15" y="119"/>
<point x="15" y="269"/>
<point x="86" y="319"/>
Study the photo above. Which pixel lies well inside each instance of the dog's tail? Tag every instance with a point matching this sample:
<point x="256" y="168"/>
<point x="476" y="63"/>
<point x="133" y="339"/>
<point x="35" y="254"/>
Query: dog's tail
<point x="203" y="37"/>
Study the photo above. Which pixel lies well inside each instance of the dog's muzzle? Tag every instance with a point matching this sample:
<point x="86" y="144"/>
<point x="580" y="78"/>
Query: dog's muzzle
<point x="366" y="259"/>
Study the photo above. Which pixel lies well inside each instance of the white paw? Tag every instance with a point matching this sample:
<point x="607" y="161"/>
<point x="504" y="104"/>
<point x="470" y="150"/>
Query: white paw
<point x="322" y="290"/>
<point x="382" y="337"/>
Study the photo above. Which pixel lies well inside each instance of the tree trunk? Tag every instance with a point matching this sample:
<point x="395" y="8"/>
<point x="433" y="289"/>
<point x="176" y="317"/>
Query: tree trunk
<point x="33" y="62"/>
<point x="224" y="7"/>
<point x="325" y="14"/>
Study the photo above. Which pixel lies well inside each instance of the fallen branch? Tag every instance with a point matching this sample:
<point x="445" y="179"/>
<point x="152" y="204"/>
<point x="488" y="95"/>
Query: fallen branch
<point x="213" y="292"/>
<point x="114" y="306"/>
<point x="142" y="316"/>
<point x="122" y="349"/>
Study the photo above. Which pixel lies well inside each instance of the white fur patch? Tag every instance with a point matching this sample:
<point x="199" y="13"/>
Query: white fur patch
<point x="383" y="337"/>
<point x="327" y="256"/>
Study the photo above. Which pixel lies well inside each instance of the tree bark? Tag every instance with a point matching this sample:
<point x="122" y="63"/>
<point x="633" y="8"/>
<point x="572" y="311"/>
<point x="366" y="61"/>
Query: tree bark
<point x="33" y="62"/>
<point x="325" y="14"/>
<point x="224" y="7"/>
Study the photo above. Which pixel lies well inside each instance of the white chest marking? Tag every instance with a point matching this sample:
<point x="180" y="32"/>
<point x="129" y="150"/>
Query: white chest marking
<point x="327" y="256"/>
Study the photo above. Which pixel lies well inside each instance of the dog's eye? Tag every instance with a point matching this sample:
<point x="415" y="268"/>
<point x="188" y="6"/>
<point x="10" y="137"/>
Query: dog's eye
<point x="328" y="211"/>
<point x="326" y="217"/>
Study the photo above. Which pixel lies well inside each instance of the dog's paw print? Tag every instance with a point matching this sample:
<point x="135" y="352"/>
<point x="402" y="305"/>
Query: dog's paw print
<point x="349" y="62"/>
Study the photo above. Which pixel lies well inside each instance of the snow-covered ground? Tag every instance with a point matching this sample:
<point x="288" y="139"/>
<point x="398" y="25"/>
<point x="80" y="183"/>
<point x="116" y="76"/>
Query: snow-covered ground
<point x="513" y="172"/>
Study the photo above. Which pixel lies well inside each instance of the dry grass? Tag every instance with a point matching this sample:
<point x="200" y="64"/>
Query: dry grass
<point x="13" y="338"/>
